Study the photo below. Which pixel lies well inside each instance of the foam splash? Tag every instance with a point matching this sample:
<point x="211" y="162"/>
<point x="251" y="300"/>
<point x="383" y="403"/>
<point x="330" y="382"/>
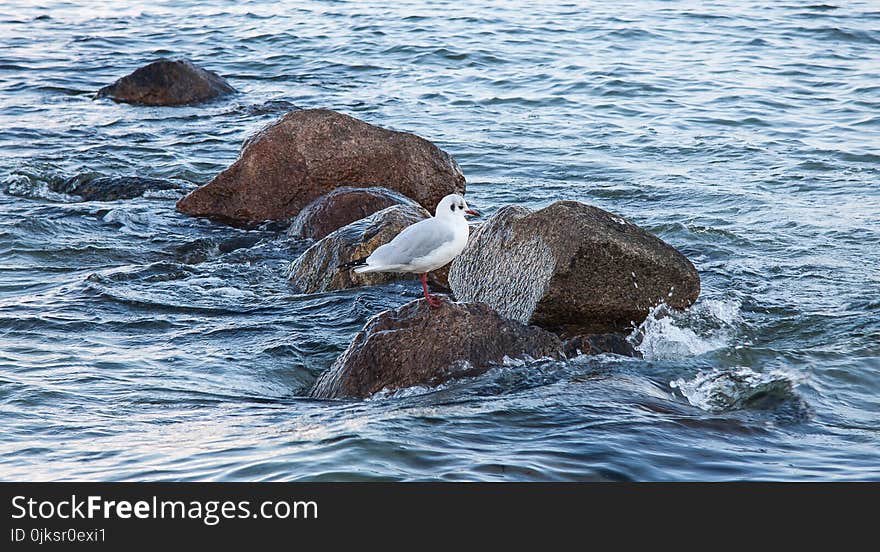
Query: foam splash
<point x="416" y="390"/>
<point x="722" y="390"/>
<point x="707" y="326"/>
<point x="20" y="185"/>
<point x="509" y="374"/>
<point x="405" y="392"/>
<point x="162" y="194"/>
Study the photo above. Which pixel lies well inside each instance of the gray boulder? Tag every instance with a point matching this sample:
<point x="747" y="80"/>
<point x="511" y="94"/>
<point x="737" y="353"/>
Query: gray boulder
<point x="571" y="268"/>
<point x="316" y="269"/>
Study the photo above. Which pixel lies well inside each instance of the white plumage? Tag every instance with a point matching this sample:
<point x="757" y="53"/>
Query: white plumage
<point x="426" y="245"/>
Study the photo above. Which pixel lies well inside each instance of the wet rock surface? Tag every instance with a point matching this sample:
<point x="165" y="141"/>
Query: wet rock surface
<point x="109" y="188"/>
<point x="316" y="269"/>
<point x="167" y="82"/>
<point x="419" y="345"/>
<point x="597" y="344"/>
<point x="310" y="152"/>
<point x="343" y="206"/>
<point x="571" y="266"/>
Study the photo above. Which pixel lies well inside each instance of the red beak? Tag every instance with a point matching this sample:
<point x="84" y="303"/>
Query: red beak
<point x="472" y="212"/>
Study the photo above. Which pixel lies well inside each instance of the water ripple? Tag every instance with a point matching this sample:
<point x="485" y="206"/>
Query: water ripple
<point x="136" y="343"/>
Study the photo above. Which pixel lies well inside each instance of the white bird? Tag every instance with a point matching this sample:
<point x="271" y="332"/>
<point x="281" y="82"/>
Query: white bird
<point x="424" y="246"/>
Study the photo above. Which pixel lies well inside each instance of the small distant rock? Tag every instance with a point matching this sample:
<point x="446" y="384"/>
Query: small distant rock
<point x="200" y="250"/>
<point x="419" y="345"/>
<point x="571" y="266"/>
<point x="316" y="269"/>
<point x="166" y="82"/>
<point x="310" y="152"/>
<point x="343" y="206"/>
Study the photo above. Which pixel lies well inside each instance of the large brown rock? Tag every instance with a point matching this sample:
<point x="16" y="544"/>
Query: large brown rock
<point x="307" y="153"/>
<point x="316" y="269"/>
<point x="419" y="345"/>
<point x="167" y="82"/>
<point x="572" y="268"/>
<point x="340" y="207"/>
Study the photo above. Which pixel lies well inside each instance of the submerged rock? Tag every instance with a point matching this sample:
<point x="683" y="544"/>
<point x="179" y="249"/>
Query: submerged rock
<point x="571" y="267"/>
<point x="167" y="82"/>
<point x="419" y="345"/>
<point x="307" y="153"/>
<point x="316" y="269"/>
<point x="84" y="186"/>
<point x="725" y="390"/>
<point x="343" y="206"/>
<point x="200" y="250"/>
<point x="109" y="188"/>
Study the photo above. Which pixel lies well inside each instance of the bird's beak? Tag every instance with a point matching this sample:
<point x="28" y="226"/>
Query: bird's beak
<point x="473" y="212"/>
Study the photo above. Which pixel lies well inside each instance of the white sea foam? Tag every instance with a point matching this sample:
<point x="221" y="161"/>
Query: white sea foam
<point x="707" y="326"/>
<point x="393" y="394"/>
<point x="719" y="390"/>
<point x="162" y="194"/>
<point x="20" y="185"/>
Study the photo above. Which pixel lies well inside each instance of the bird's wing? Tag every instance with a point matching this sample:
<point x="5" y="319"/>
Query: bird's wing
<point x="416" y="240"/>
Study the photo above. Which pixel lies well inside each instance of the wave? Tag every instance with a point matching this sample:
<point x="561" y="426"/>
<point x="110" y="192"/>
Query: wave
<point x="723" y="390"/>
<point x="713" y="325"/>
<point x="89" y="186"/>
<point x="20" y="185"/>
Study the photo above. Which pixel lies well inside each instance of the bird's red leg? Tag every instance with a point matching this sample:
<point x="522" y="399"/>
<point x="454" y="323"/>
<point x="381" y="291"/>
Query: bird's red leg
<point x="433" y="301"/>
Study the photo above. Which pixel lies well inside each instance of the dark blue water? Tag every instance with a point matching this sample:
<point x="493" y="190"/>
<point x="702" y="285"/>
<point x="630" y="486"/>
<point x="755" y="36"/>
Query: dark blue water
<point x="137" y="343"/>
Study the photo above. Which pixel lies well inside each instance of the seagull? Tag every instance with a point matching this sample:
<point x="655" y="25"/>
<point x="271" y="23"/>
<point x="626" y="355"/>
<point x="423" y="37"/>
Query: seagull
<point x="424" y="246"/>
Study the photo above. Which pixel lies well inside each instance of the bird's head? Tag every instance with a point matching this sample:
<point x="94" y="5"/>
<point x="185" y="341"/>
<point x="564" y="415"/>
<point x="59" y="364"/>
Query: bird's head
<point x="454" y="205"/>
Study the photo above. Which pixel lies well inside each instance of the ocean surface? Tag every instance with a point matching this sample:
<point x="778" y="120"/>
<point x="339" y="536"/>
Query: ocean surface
<point x="140" y="344"/>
